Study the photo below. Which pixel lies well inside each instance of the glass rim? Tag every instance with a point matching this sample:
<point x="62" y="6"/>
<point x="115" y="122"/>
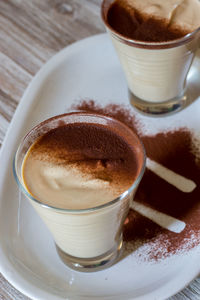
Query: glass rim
<point x="143" y="44"/>
<point x="83" y="210"/>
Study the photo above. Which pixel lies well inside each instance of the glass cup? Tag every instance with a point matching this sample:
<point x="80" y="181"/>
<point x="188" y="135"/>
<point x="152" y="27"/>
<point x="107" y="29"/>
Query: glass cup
<point x="156" y="72"/>
<point x="86" y="239"/>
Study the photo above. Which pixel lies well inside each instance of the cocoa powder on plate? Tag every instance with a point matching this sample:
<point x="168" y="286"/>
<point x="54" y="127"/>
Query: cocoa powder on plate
<point x="172" y="149"/>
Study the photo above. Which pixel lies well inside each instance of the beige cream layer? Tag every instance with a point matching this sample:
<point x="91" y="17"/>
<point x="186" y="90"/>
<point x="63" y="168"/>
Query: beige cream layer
<point x="65" y="186"/>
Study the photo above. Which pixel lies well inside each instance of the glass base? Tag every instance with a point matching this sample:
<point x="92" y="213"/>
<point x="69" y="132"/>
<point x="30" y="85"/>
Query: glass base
<point x="158" y="108"/>
<point x="92" y="264"/>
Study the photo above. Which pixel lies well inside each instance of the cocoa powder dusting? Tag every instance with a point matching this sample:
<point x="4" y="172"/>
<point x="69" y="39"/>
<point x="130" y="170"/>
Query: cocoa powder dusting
<point x="133" y="24"/>
<point x="93" y="148"/>
<point x="118" y="112"/>
<point x="174" y="150"/>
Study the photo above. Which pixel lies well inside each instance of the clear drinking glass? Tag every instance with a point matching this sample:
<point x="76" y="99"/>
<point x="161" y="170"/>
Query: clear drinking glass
<point x="156" y="72"/>
<point x="86" y="239"/>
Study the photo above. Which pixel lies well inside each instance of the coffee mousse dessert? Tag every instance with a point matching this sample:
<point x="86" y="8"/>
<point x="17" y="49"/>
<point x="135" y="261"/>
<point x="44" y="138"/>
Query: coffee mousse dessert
<point x="79" y="166"/>
<point x="74" y="168"/>
<point x="154" y="20"/>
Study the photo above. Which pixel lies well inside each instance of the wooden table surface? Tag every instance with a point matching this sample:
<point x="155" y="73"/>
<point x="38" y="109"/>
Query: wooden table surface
<point x="32" y="31"/>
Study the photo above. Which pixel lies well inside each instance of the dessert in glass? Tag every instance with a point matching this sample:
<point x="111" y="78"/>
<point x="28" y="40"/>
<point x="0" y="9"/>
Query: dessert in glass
<point x="156" y="42"/>
<point x="80" y="172"/>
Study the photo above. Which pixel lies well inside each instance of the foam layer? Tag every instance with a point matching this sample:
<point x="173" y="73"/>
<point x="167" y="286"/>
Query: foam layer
<point x="154" y="20"/>
<point x="79" y="166"/>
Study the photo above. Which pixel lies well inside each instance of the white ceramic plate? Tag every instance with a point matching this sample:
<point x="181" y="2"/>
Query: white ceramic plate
<point x="28" y="259"/>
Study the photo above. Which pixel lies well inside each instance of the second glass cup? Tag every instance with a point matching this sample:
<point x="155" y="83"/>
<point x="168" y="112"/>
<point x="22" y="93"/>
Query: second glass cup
<point x="156" y="72"/>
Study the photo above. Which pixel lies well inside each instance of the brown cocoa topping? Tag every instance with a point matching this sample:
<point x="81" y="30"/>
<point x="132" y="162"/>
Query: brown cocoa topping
<point x="95" y="149"/>
<point x="132" y="24"/>
<point x="173" y="149"/>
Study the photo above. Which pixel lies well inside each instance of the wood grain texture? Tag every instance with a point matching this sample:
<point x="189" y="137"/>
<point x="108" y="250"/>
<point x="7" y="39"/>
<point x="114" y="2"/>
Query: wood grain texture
<point x="32" y="31"/>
